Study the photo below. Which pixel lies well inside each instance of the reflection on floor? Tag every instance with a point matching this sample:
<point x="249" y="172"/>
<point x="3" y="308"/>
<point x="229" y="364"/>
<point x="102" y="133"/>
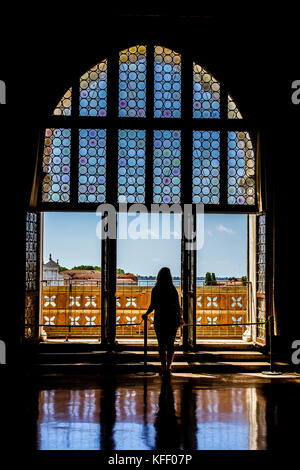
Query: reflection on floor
<point x="242" y="411"/>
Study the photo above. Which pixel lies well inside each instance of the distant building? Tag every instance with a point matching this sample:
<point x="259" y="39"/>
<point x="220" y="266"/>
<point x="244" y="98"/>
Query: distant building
<point x="51" y="273"/>
<point x="93" y="277"/>
<point x="127" y="278"/>
<point x="80" y="277"/>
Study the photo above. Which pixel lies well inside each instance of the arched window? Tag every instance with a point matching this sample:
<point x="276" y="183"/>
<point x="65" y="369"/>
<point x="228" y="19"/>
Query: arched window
<point x="148" y="126"/>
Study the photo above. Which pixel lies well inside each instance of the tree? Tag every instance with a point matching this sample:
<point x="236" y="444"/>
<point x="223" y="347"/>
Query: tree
<point x="84" y="267"/>
<point x="213" y="279"/>
<point x="244" y="280"/>
<point x="62" y="268"/>
<point x="120" y="271"/>
<point x="207" y="279"/>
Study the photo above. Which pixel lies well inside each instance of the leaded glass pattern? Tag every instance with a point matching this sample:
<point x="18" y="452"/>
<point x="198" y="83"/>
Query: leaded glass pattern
<point x="131" y="165"/>
<point x="64" y="106"/>
<point x="132" y="82"/>
<point x="167" y="166"/>
<point x="167" y="83"/>
<point x="233" y="111"/>
<point x="93" y="91"/>
<point x="31" y="251"/>
<point x="206" y="167"/>
<point x="206" y="94"/>
<point x="56" y="165"/>
<point x="132" y="96"/>
<point x="92" y="165"/>
<point x="261" y="254"/>
<point x="241" y="169"/>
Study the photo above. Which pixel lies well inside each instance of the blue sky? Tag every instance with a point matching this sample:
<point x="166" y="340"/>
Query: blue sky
<point x="71" y="238"/>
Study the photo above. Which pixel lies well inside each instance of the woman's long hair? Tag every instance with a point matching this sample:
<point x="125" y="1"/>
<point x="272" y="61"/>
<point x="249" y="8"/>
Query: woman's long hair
<point x="164" y="279"/>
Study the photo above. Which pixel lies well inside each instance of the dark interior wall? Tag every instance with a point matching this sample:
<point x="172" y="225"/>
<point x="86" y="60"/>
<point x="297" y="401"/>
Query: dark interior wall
<point x="255" y="55"/>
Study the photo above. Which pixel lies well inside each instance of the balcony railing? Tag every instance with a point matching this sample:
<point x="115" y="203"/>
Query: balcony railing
<point x="225" y="306"/>
<point x="73" y="309"/>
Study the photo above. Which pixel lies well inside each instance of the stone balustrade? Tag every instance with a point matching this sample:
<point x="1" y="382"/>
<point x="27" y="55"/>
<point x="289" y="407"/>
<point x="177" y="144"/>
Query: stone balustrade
<point x="79" y="307"/>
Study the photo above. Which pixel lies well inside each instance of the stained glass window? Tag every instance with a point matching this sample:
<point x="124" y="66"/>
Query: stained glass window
<point x="206" y="167"/>
<point x="241" y="169"/>
<point x="167" y="166"/>
<point x="167" y="83"/>
<point x="147" y="80"/>
<point x="56" y="165"/>
<point x="132" y="82"/>
<point x="92" y="165"/>
<point x="131" y="166"/>
<point x="93" y="91"/>
<point x="64" y="106"/>
<point x="233" y="112"/>
<point x="206" y="99"/>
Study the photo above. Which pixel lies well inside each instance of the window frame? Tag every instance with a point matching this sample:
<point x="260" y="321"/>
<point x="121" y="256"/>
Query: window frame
<point x="113" y="123"/>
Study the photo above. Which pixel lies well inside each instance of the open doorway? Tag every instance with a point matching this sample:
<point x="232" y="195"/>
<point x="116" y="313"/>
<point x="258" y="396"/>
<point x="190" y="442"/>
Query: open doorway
<point x="71" y="274"/>
<point x="222" y="287"/>
<point x="70" y="297"/>
<point x="70" y="277"/>
<point x="144" y="246"/>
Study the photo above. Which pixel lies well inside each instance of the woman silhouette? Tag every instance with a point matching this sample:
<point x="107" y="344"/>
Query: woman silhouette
<point x="167" y="317"/>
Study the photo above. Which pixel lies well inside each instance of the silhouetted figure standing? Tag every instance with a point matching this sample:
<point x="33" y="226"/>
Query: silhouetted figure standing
<point x="167" y="316"/>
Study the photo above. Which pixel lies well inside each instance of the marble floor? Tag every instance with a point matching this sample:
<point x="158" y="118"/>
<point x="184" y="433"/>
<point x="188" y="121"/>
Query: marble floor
<point x="188" y="411"/>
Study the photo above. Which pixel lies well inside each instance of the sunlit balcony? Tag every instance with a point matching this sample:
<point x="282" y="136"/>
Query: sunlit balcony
<point x="73" y="309"/>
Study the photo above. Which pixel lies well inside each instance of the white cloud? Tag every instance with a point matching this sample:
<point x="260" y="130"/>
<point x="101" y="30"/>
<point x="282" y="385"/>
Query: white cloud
<point x="222" y="228"/>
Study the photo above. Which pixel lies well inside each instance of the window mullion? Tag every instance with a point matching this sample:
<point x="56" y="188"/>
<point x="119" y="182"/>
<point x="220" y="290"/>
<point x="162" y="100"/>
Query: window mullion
<point x="149" y="169"/>
<point x="112" y="166"/>
<point x="74" y="165"/>
<point x="113" y="85"/>
<point x="149" y="132"/>
<point x="186" y="132"/>
<point x="74" y="146"/>
<point x="112" y="132"/>
<point x="223" y="145"/>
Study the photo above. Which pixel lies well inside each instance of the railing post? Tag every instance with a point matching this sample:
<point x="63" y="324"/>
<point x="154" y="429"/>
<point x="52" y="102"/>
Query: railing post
<point x="68" y="330"/>
<point x="145" y="342"/>
<point x="145" y="372"/>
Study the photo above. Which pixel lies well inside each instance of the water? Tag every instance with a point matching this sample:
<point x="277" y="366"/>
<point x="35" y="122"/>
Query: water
<point x="151" y="282"/>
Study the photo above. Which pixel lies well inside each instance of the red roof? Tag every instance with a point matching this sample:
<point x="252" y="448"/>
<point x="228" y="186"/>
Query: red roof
<point x="85" y="274"/>
<point x="81" y="274"/>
